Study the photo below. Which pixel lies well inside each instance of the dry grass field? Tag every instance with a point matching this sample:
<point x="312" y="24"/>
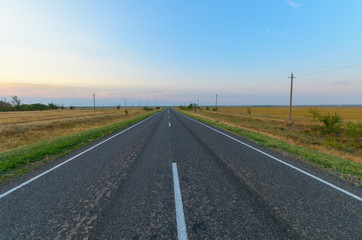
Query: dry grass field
<point x="303" y="130"/>
<point x="347" y="113"/>
<point x="19" y="129"/>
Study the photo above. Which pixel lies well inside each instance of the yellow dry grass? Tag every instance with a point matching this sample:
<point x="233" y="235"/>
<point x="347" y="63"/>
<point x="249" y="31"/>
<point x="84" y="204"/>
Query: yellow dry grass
<point x="347" y="113"/>
<point x="18" y="129"/>
<point x="303" y="131"/>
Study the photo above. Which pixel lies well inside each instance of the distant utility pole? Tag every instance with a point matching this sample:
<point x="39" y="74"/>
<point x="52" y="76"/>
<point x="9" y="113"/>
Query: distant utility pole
<point x="216" y="101"/>
<point x="198" y="103"/>
<point x="291" y="95"/>
<point x="94" y="102"/>
<point x="125" y="104"/>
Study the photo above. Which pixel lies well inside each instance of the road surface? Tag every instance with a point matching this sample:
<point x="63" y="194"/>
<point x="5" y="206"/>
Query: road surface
<point x="170" y="177"/>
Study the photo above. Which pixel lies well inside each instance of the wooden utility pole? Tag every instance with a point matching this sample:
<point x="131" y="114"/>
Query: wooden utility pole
<point x="291" y="95"/>
<point x="94" y="102"/>
<point x="216" y="101"/>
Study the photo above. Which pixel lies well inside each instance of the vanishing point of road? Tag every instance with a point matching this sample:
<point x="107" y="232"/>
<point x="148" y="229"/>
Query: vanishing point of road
<point x="171" y="177"/>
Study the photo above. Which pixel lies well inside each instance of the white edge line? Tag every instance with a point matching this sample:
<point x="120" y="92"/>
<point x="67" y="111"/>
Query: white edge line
<point x="277" y="159"/>
<point x="180" y="217"/>
<point x="70" y="159"/>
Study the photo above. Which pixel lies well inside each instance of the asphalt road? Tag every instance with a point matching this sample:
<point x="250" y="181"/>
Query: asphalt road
<point x="124" y="188"/>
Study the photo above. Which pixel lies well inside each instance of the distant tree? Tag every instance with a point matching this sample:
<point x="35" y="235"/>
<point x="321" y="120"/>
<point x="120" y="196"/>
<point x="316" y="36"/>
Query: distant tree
<point x="4" y="105"/>
<point x="52" y="106"/>
<point x="16" y="102"/>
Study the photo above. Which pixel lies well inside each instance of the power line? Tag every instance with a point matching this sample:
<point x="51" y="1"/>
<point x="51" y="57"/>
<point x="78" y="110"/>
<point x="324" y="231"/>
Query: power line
<point x="330" y="67"/>
<point x="329" y="70"/>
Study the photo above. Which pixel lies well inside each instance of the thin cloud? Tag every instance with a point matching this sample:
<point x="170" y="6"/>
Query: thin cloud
<point x="274" y="33"/>
<point x="293" y="4"/>
<point x="279" y="35"/>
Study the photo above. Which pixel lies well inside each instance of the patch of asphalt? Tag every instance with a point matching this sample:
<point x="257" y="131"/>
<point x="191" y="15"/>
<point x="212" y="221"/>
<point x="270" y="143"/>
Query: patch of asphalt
<point x="310" y="207"/>
<point x="65" y="202"/>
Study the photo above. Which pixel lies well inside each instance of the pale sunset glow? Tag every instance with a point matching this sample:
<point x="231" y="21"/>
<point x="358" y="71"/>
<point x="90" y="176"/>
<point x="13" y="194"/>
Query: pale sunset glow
<point x="167" y="52"/>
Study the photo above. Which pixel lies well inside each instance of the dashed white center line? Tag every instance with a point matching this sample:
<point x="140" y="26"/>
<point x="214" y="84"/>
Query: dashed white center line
<point x="169" y="124"/>
<point x="180" y="217"/>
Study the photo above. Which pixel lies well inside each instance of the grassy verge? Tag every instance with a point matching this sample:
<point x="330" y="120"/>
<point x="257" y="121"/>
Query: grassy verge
<point x="16" y="162"/>
<point x="347" y="169"/>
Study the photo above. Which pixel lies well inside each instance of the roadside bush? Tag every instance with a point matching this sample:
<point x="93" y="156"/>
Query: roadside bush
<point x="147" y="108"/>
<point x="332" y="123"/>
<point x="126" y="112"/>
<point x="215" y="109"/>
<point x="207" y="108"/>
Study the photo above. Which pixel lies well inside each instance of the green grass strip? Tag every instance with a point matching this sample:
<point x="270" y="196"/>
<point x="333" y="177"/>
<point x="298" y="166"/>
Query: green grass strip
<point x="15" y="160"/>
<point x="324" y="160"/>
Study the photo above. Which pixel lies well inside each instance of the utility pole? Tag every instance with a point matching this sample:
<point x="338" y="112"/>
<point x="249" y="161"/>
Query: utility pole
<point x="216" y="101"/>
<point x="125" y="104"/>
<point x="94" y="102"/>
<point x="291" y="95"/>
<point x="198" y="104"/>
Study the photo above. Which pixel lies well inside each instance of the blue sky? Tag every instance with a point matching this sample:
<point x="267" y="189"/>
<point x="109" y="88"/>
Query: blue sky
<point x="175" y="52"/>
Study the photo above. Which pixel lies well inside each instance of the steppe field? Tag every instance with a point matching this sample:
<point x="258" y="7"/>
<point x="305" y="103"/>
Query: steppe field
<point x="347" y="113"/>
<point x="304" y="129"/>
<point x="18" y="129"/>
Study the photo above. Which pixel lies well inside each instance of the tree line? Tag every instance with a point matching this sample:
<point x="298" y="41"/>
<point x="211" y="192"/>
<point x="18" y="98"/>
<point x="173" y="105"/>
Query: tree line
<point x="15" y="104"/>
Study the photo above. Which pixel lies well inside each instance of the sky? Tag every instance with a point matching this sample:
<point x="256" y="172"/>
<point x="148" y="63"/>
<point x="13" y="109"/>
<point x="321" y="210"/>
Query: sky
<point x="154" y="52"/>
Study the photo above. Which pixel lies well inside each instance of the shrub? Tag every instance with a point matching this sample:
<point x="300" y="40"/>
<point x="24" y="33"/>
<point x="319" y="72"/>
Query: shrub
<point x="189" y="107"/>
<point x="248" y="110"/>
<point x="214" y="109"/>
<point x="315" y="113"/>
<point x="126" y="112"/>
<point x="118" y="107"/>
<point x="147" y="108"/>
<point x="332" y="123"/>
<point x="207" y="108"/>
